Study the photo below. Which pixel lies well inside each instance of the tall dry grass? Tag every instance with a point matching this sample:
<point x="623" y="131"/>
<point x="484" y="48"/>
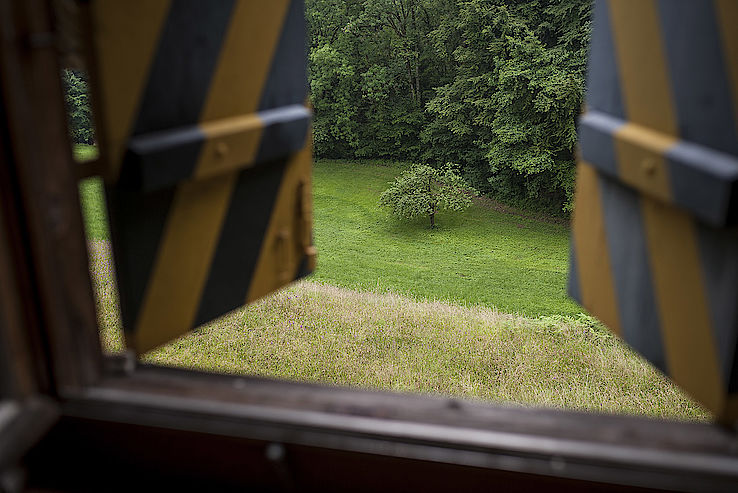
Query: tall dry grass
<point x="321" y="333"/>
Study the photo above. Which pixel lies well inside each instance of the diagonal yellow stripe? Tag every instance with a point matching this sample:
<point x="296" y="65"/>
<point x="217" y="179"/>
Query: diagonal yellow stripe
<point x="644" y="78"/>
<point x="243" y="68"/>
<point x="596" y="283"/>
<point x="245" y="58"/>
<point x="123" y="67"/>
<point x="183" y="260"/>
<point x="231" y="142"/>
<point x="680" y="292"/>
<point x="727" y="18"/>
<point x="284" y="244"/>
<point x="199" y="208"/>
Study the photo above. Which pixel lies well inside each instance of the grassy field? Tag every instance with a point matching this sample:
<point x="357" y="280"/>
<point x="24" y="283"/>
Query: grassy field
<point x="480" y="257"/>
<point x="319" y="333"/>
<point x="475" y="308"/>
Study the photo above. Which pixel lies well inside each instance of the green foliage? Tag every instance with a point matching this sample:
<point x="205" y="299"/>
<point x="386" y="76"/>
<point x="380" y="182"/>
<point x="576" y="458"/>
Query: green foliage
<point x="332" y="82"/>
<point x="513" y="103"/>
<point x="494" y="85"/>
<point x="79" y="112"/>
<point x="424" y="191"/>
<point x="371" y="72"/>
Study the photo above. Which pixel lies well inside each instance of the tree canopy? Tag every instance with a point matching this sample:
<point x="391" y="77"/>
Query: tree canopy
<point x="494" y="85"/>
<point x="424" y="191"/>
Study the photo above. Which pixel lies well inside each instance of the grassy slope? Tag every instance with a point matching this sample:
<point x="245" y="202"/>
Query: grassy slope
<point x="321" y="333"/>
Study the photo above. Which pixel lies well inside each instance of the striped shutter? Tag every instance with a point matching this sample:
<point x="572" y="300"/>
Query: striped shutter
<point x="654" y="251"/>
<point x="205" y="142"/>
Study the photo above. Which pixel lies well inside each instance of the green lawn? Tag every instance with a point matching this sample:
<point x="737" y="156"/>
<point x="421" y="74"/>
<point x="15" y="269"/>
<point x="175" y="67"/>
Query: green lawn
<point x="84" y="152"/>
<point x="91" y="195"/>
<point x="479" y="257"/>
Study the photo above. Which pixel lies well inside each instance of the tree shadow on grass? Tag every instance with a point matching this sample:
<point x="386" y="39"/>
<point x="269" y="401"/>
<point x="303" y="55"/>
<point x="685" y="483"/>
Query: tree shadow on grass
<point x="418" y="228"/>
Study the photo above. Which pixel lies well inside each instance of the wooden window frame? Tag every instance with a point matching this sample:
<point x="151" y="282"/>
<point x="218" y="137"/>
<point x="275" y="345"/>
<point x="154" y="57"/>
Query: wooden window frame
<point x="120" y="420"/>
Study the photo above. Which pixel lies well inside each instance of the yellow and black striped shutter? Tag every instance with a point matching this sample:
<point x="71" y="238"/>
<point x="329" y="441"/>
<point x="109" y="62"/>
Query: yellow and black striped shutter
<point x="205" y="141"/>
<point x="654" y="251"/>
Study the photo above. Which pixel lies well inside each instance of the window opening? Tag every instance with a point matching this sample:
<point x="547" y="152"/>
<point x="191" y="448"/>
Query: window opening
<point x="474" y="306"/>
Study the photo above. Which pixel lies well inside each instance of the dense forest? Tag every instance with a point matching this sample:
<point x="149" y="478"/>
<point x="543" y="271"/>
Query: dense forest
<point x="493" y="86"/>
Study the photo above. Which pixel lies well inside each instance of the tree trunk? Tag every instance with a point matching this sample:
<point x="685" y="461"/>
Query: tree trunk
<point x="418" y="98"/>
<point x="417" y="84"/>
<point x="410" y="80"/>
<point x="431" y="205"/>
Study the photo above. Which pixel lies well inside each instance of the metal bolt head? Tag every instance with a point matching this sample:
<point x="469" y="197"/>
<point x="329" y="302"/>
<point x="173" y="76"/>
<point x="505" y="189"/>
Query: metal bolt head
<point x="648" y="165"/>
<point x="221" y="149"/>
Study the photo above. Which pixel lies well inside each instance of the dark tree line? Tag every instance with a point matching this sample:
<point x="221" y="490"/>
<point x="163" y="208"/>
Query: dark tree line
<point x="493" y="85"/>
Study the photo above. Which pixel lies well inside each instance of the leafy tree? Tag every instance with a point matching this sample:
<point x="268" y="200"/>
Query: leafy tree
<point x="423" y="190"/>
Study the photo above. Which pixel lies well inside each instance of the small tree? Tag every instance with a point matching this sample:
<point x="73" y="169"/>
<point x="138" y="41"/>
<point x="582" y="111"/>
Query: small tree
<point x="423" y="190"/>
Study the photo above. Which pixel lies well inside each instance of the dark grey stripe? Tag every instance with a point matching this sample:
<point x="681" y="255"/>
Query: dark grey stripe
<point x="136" y="225"/>
<point x="719" y="259"/>
<point x="626" y="242"/>
<point x="240" y="240"/>
<point x="597" y="142"/>
<point x="573" y="282"/>
<point x="603" y="84"/>
<point x="175" y="92"/>
<point x="733" y="380"/>
<point x="286" y="83"/>
<point x="163" y="159"/>
<point x="698" y="74"/>
<point x="184" y="64"/>
<point x="703" y="181"/>
<point x="285" y="131"/>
